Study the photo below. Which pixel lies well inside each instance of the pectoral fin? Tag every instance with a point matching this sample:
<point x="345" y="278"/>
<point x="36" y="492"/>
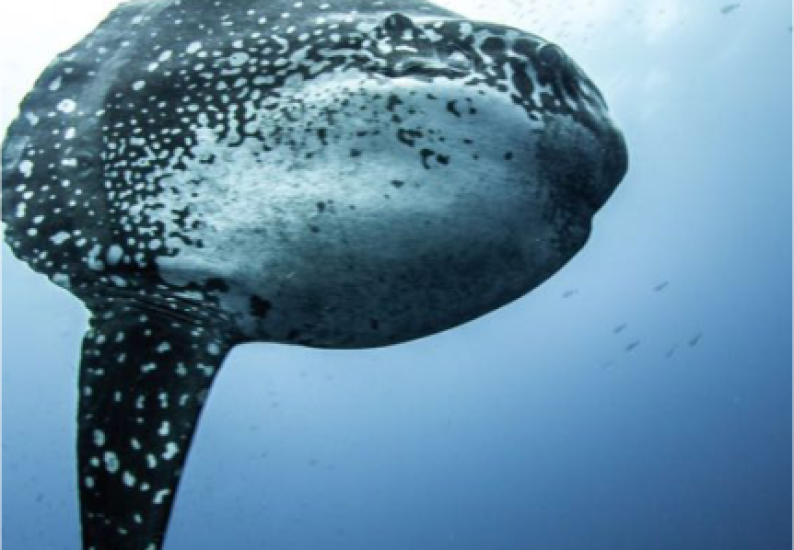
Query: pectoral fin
<point x="144" y="379"/>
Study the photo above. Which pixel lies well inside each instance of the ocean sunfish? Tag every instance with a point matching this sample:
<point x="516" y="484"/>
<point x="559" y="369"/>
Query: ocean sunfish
<point x="325" y="173"/>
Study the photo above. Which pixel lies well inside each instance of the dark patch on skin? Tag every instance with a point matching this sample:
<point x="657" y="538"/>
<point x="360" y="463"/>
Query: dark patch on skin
<point x="410" y="136"/>
<point x="259" y="307"/>
<point x="374" y="324"/>
<point x="521" y="80"/>
<point x="216" y="284"/>
<point x="494" y="46"/>
<point x="397" y="183"/>
<point x="452" y="108"/>
<point x="321" y="207"/>
<point x="355" y="153"/>
<point x="524" y="48"/>
<point x="509" y="155"/>
<point x="393" y="102"/>
<point x="426" y="154"/>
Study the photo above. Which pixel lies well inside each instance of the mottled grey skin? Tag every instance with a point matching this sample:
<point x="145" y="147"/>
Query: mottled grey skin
<point x="335" y="175"/>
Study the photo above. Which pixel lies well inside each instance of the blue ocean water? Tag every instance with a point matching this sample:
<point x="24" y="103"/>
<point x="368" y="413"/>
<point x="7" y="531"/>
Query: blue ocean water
<point x="639" y="400"/>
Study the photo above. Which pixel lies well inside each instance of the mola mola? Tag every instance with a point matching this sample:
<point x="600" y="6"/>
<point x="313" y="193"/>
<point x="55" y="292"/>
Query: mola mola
<point x="326" y="173"/>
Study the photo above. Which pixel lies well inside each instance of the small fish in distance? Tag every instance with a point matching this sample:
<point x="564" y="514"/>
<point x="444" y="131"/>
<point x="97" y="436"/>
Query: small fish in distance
<point x="728" y="8"/>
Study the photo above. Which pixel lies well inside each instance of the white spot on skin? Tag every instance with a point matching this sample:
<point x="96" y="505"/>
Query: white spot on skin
<point x="129" y="479"/>
<point x="70" y="133"/>
<point x="365" y="27"/>
<point x="93" y="258"/>
<point x="151" y="461"/>
<point x="238" y="59"/>
<point x="60" y="238"/>
<point x="165" y="428"/>
<point x="67" y="106"/>
<point x="114" y="254"/>
<point x="32" y="119"/>
<point x="213" y="349"/>
<point x="171" y="449"/>
<point x="163" y="347"/>
<point x="111" y="462"/>
<point x="193" y="47"/>
<point x="140" y="85"/>
<point x="160" y="495"/>
<point x="149" y="367"/>
<point x="26" y="167"/>
<point x="55" y="85"/>
<point x="61" y="279"/>
<point x="165" y="56"/>
<point x="99" y="438"/>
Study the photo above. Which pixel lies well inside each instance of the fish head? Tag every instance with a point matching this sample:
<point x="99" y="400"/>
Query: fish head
<point x="574" y="136"/>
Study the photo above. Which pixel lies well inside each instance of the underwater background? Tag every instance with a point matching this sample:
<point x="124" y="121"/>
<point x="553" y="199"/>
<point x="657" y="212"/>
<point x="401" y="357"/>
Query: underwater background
<point x="639" y="400"/>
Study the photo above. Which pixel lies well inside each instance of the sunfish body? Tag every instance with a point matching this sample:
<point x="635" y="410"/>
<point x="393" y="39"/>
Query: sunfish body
<point x="337" y="175"/>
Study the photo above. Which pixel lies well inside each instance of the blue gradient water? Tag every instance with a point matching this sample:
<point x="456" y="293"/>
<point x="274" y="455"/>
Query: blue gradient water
<point x="536" y="427"/>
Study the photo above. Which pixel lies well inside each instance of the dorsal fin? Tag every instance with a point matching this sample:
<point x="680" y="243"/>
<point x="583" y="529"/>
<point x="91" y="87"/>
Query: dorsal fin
<point x="144" y="378"/>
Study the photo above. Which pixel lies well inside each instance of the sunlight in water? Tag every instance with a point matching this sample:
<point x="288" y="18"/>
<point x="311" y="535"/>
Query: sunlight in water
<point x="564" y="16"/>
